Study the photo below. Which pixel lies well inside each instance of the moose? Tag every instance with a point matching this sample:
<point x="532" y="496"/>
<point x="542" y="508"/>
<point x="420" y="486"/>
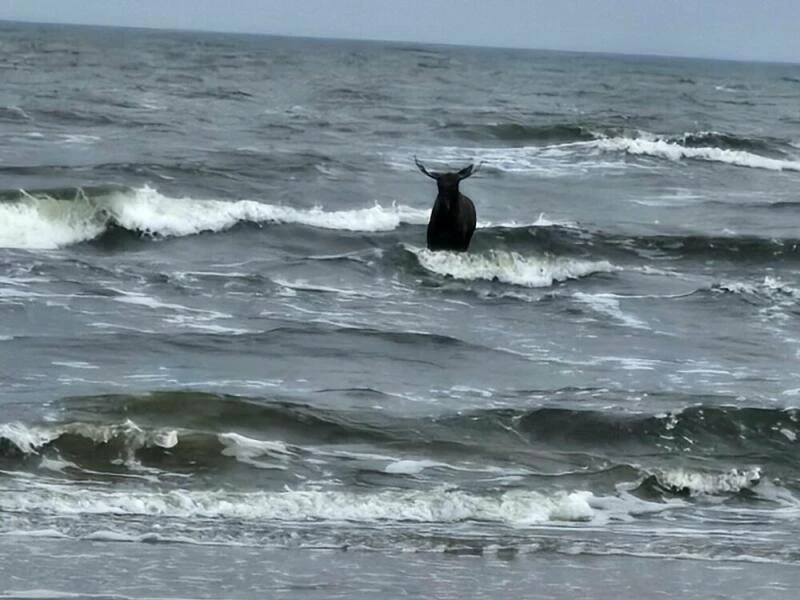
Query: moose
<point x="452" y="221"/>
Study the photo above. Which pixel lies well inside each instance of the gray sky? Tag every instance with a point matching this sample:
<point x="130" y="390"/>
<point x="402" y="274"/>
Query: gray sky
<point x="739" y="29"/>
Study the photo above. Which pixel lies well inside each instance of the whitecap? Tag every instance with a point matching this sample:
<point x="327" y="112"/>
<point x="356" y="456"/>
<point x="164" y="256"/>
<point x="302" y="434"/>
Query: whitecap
<point x="409" y="467"/>
<point x="674" y="151"/>
<point x="700" y="483"/>
<point x="514" y="508"/>
<point x="509" y="267"/>
<point x="27" y="439"/>
<point x="147" y="210"/>
<point x="265" y="454"/>
<point x="42" y="222"/>
<point x="561" y="160"/>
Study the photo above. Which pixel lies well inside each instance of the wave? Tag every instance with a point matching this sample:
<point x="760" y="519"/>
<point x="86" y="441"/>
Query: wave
<point x="580" y="149"/>
<point x="47" y="220"/>
<point x="509" y="267"/>
<point x="564" y="246"/>
<point x="685" y="482"/>
<point x="187" y="430"/>
<point x="191" y="426"/>
<point x="520" y="132"/>
<point x="71" y="117"/>
<point x="516" y="508"/>
<point x="566" y="134"/>
<point x="13" y="114"/>
<point x="531" y="255"/>
<point x="557" y="160"/>
<point x="676" y="151"/>
<point x="702" y="426"/>
<point x="769" y="290"/>
<point x="725" y="141"/>
<point x="736" y="248"/>
<point x="43" y="222"/>
<point x="739" y="248"/>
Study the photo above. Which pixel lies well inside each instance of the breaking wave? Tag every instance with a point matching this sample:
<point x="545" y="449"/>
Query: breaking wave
<point x="685" y="482"/>
<point x="560" y="151"/>
<point x="675" y="151"/>
<point x="515" y="508"/>
<point x="45" y="221"/>
<point x="190" y="430"/>
<point x="509" y="267"/>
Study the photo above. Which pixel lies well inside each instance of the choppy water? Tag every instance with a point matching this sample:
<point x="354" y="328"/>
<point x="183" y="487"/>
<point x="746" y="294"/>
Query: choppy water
<point x="220" y="327"/>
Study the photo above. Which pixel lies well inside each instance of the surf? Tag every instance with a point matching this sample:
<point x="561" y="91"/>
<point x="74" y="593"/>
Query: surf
<point x="605" y="150"/>
<point x="48" y="220"/>
<point x="512" y="268"/>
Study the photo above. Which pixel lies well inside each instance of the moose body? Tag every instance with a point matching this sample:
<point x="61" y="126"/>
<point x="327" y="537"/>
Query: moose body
<point x="452" y="221"/>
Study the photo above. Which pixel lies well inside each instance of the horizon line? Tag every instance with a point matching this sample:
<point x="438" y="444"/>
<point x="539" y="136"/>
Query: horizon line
<point x="398" y="41"/>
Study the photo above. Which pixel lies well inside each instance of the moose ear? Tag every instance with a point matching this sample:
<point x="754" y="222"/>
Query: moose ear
<point x="466" y="172"/>
<point x="469" y="170"/>
<point x="421" y="167"/>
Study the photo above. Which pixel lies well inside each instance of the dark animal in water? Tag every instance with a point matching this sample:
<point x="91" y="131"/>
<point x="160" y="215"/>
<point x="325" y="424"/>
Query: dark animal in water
<point x="452" y="221"/>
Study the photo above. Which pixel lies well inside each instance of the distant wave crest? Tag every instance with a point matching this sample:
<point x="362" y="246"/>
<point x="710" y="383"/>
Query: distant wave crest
<point x="568" y="150"/>
<point x="675" y="151"/>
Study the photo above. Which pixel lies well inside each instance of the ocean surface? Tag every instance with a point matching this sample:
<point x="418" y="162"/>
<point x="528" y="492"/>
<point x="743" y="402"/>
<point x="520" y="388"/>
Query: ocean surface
<point x="230" y="368"/>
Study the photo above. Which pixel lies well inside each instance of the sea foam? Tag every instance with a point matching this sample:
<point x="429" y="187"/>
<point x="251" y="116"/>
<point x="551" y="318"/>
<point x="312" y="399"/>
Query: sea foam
<point x="515" y="508"/>
<point x="578" y="158"/>
<point x="674" y="151"/>
<point x="42" y="222"/>
<point x="509" y="267"/>
<point x="697" y="483"/>
<point x="150" y="212"/>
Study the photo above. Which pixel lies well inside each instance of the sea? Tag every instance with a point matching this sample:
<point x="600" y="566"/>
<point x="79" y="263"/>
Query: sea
<point x="230" y="367"/>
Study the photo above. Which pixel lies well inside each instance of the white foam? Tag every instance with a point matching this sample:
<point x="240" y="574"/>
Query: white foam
<point x="674" y="151"/>
<point x="27" y="439"/>
<point x="782" y="297"/>
<point x="576" y="158"/>
<point x="36" y="533"/>
<point x="517" y="508"/>
<point x="78" y="138"/>
<point x="149" y="211"/>
<point x="252" y="451"/>
<point x="541" y="221"/>
<point x="109" y="536"/>
<point x="57" y="465"/>
<point x="698" y="483"/>
<point x="165" y="438"/>
<point x="74" y="364"/>
<point x="409" y="467"/>
<point x="509" y="267"/>
<point x="560" y="160"/>
<point x="628" y="363"/>
<point x="608" y="304"/>
<point x="305" y="286"/>
<point x="46" y="223"/>
<point x="43" y="222"/>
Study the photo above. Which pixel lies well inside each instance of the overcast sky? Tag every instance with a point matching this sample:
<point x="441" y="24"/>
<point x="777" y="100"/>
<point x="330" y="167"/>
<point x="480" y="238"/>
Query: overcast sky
<point x="739" y="29"/>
